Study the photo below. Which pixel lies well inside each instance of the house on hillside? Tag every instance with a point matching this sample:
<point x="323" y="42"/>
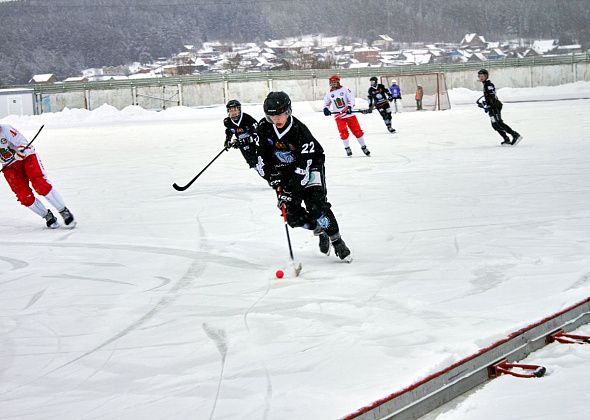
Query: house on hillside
<point x="43" y="78"/>
<point x="367" y="55"/>
<point x="384" y="42"/>
<point x="79" y="79"/>
<point x="568" y="49"/>
<point x="477" y="58"/>
<point x="473" y="41"/>
<point x="496" y="54"/>
<point x="544" y="46"/>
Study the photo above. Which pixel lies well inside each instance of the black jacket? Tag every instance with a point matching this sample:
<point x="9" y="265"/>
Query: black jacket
<point x="288" y="154"/>
<point x="489" y="93"/>
<point x="244" y="130"/>
<point x="379" y="96"/>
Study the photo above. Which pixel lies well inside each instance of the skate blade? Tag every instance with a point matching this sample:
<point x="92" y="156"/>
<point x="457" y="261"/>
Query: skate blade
<point x="347" y="259"/>
<point x="517" y="141"/>
<point x="71" y="225"/>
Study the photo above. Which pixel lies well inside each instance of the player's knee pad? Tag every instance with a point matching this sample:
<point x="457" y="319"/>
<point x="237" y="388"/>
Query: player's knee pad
<point x="328" y="222"/>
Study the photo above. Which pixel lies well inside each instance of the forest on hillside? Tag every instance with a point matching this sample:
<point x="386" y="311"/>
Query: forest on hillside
<point x="65" y="36"/>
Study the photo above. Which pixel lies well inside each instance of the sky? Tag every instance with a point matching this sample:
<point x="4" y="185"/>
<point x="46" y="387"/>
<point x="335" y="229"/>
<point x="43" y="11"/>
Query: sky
<point x="162" y="304"/>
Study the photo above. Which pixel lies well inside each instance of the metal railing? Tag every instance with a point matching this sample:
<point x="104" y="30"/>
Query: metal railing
<point x="307" y="74"/>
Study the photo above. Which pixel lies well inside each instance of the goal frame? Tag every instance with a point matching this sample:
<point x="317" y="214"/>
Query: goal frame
<point x="436" y="95"/>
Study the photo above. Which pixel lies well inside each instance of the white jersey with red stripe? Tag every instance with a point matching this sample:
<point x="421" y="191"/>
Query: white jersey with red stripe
<point x="338" y="99"/>
<point x="11" y="142"/>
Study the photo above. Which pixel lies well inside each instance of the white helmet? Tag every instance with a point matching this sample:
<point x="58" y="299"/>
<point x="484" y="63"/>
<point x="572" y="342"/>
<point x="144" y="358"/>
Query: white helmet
<point x="394" y="81"/>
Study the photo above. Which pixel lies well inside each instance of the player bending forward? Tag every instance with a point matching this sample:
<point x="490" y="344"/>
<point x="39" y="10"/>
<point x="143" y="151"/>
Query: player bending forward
<point x="21" y="166"/>
<point x="294" y="160"/>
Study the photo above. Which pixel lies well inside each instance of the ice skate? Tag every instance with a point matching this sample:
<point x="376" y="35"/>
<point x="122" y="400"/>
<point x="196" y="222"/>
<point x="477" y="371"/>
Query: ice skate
<point x="390" y="129"/>
<point x="366" y="151"/>
<point x="324" y="240"/>
<point x="516" y="138"/>
<point x="51" y="220"/>
<point x="348" y="151"/>
<point x="324" y="243"/>
<point x="68" y="218"/>
<point x="506" y="142"/>
<point x="342" y="250"/>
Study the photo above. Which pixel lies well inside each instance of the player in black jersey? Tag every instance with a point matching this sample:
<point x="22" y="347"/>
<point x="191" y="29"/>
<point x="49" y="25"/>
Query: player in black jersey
<point x="294" y="162"/>
<point x="493" y="107"/>
<point x="243" y="127"/>
<point x="379" y="97"/>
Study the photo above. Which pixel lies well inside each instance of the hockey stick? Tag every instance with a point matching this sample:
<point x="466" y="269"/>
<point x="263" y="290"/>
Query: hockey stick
<point x="26" y="147"/>
<point x="296" y="267"/>
<point x="362" y="111"/>
<point x="184" y="187"/>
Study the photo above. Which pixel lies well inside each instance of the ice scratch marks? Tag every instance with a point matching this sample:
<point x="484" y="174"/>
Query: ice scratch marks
<point x="71" y="277"/>
<point x="164" y="282"/>
<point x="489" y="277"/>
<point x="219" y="338"/>
<point x="14" y="263"/>
<point x="34" y="299"/>
<point x="583" y="281"/>
<point x="268" y="395"/>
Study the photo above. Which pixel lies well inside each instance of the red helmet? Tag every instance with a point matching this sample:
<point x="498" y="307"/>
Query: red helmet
<point x="334" y="81"/>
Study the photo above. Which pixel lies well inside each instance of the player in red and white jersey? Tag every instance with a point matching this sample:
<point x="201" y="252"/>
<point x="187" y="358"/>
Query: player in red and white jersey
<point x="22" y="169"/>
<point x="341" y="100"/>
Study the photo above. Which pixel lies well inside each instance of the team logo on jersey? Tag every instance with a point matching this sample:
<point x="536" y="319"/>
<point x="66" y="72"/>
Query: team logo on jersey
<point x="3" y="141"/>
<point x="285" y="157"/>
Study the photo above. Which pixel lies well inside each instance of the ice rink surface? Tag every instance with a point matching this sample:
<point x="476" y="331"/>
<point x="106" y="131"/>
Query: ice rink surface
<point x="164" y="305"/>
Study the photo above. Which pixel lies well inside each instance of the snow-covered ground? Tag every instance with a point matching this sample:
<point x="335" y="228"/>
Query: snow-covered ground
<point x="164" y="305"/>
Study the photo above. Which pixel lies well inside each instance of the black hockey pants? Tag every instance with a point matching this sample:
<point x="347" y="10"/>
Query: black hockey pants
<point x="317" y="209"/>
<point x="500" y="126"/>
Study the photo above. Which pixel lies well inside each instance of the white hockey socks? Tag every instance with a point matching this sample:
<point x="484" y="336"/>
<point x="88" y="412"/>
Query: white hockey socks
<point x="361" y="141"/>
<point x="38" y="208"/>
<point x="55" y="200"/>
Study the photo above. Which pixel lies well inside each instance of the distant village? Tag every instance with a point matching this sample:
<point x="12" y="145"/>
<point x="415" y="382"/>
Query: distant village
<point x="316" y="52"/>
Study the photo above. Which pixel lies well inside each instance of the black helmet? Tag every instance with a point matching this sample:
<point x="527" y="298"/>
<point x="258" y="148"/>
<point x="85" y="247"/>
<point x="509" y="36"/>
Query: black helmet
<point x="484" y="72"/>
<point x="234" y="103"/>
<point x="373" y="79"/>
<point x="277" y="103"/>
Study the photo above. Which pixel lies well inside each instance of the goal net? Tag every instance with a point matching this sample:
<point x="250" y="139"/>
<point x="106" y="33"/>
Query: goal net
<point x="435" y="96"/>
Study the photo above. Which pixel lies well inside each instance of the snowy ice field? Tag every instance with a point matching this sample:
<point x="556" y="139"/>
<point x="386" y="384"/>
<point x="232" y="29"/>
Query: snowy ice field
<point x="164" y="305"/>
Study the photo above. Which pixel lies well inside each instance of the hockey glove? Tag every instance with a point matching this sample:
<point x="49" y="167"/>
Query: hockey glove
<point x="284" y="197"/>
<point x="327" y="112"/>
<point x="227" y="143"/>
<point x="275" y="180"/>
